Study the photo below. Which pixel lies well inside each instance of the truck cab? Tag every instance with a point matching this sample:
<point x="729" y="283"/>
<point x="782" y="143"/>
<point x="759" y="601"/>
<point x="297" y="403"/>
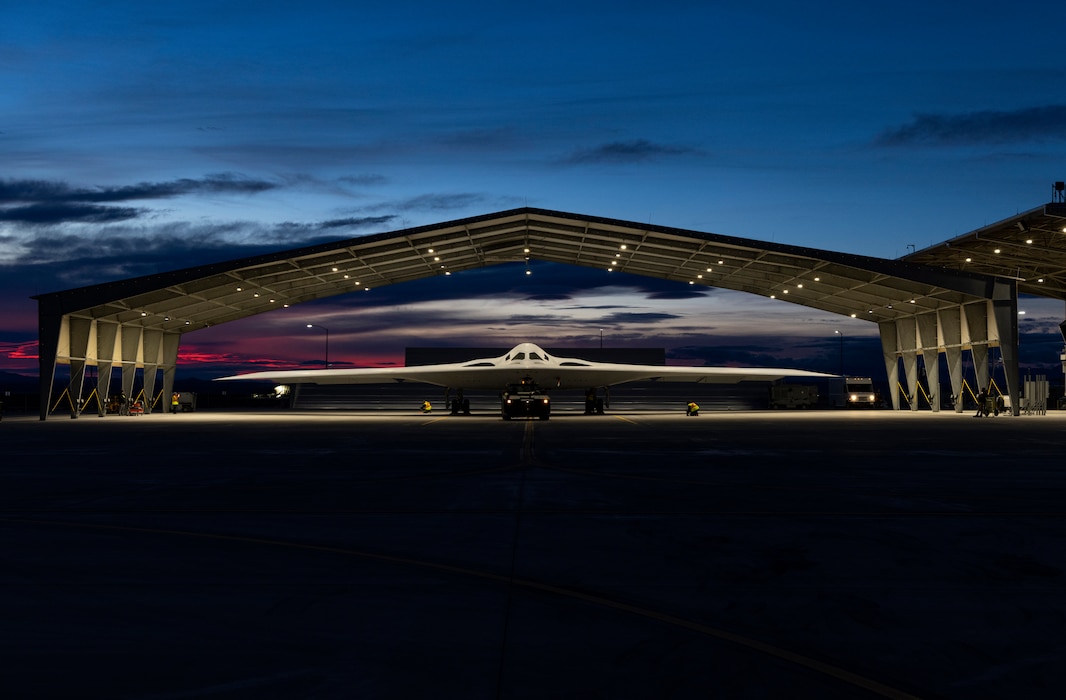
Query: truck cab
<point x="859" y="392"/>
<point x="853" y="392"/>
<point x="524" y="400"/>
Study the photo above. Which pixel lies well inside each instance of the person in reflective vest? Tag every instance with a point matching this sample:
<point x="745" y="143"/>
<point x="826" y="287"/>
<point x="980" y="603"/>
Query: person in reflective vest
<point x="426" y="406"/>
<point x="692" y="409"/>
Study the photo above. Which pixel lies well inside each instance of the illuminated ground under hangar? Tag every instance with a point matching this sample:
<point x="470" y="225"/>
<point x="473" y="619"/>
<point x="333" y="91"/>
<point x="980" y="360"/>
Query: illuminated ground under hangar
<point x="922" y="306"/>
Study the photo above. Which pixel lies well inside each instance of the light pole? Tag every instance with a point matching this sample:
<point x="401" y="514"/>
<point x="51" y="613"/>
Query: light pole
<point x="601" y="339"/>
<point x="311" y="325"/>
<point x="841" y="352"/>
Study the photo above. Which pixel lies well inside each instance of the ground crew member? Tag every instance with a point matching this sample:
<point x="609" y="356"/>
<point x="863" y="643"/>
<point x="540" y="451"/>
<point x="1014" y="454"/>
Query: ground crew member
<point x="693" y="409"/>
<point x="426" y="407"/>
<point x="174" y="400"/>
<point x="982" y="404"/>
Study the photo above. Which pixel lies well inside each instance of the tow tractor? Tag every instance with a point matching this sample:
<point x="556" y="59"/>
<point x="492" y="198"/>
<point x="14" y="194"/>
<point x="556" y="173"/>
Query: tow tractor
<point x="524" y="400"/>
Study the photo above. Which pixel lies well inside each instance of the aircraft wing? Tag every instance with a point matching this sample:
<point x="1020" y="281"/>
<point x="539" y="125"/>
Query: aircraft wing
<point x="441" y="375"/>
<point x="528" y="361"/>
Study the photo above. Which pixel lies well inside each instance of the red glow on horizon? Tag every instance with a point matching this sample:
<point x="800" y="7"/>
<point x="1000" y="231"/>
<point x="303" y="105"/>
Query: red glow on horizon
<point x="202" y="358"/>
<point x="23" y="351"/>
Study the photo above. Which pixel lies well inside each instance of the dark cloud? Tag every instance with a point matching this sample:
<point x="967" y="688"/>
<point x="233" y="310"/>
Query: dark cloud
<point x="635" y="151"/>
<point x="68" y="213"/>
<point x="693" y="292"/>
<point x="980" y="127"/>
<point x="537" y="320"/>
<point x="356" y="222"/>
<point x="53" y="258"/>
<point x="47" y="202"/>
<point x="44" y="191"/>
<point x="548" y="296"/>
<point x="631" y="317"/>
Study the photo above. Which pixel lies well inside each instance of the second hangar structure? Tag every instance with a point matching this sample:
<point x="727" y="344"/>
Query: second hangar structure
<point x="933" y="301"/>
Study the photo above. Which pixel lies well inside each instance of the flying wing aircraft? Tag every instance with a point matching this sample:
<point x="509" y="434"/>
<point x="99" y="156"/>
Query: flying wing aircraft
<point x="525" y="366"/>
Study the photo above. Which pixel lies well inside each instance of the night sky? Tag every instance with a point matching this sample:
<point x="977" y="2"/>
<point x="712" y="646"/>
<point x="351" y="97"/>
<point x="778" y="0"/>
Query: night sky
<point x="139" y="137"/>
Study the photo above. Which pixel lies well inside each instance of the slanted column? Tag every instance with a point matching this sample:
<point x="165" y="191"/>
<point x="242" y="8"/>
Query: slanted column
<point x="889" y="349"/>
<point x="950" y="335"/>
<point x="171" y="342"/>
<point x="106" y="340"/>
<point x="928" y="341"/>
<point x="975" y="334"/>
<point x="131" y="347"/>
<point x="153" y="348"/>
<point x="979" y="353"/>
<point x="907" y="331"/>
<point x="80" y="330"/>
<point x="1005" y="318"/>
<point x="910" y="366"/>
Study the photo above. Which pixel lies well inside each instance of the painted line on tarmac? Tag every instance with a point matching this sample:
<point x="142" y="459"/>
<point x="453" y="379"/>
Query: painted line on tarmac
<point x="740" y="640"/>
<point x="528" y="455"/>
<point x="627" y="420"/>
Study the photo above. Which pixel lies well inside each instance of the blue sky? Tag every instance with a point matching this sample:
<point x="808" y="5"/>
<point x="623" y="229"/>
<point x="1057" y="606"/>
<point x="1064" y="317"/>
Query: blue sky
<point x="137" y="137"/>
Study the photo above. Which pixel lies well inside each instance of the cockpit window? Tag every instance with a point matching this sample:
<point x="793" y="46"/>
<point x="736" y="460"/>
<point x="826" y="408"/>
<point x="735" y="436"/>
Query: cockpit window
<point x="534" y="356"/>
<point x="519" y="356"/>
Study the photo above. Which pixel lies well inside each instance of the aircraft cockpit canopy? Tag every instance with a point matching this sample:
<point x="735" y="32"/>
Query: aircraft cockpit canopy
<point x="518" y="356"/>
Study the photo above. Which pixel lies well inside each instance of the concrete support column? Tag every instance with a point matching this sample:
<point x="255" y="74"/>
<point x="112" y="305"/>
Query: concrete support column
<point x="975" y="334"/>
<point x="889" y="346"/>
<point x="929" y="341"/>
<point x="907" y="333"/>
<point x="106" y="338"/>
<point x="931" y="359"/>
<point x="950" y="337"/>
<point x="152" y="345"/>
<point x="910" y="366"/>
<point x="171" y="342"/>
<point x="1005" y="318"/>
<point x="80" y="330"/>
<point x="131" y="346"/>
<point x="980" y="363"/>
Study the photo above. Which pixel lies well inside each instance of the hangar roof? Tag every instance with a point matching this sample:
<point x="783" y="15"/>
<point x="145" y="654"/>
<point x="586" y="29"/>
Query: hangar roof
<point x="1029" y="247"/>
<point x="874" y="289"/>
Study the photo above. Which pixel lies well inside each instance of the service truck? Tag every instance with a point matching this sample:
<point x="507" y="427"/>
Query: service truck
<point x="853" y="392"/>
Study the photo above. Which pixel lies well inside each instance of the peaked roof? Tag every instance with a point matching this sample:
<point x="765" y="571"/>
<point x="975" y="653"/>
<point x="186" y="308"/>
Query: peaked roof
<point x="179" y="301"/>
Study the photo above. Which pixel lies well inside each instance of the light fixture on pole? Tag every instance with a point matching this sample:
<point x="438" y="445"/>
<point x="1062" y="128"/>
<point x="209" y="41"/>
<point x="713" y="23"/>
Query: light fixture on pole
<point x="841" y="352"/>
<point x="311" y="325"/>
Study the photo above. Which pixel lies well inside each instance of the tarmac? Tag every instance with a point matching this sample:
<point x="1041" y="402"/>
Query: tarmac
<point x="639" y="554"/>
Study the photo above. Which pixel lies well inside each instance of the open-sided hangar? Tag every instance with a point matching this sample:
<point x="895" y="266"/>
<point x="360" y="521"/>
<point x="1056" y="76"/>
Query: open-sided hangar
<point x="938" y="300"/>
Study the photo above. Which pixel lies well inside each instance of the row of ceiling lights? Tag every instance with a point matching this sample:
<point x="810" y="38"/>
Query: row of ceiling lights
<point x="997" y="251"/>
<point x="818" y="279"/>
<point x="145" y="314"/>
<point x="699" y="276"/>
<point x="436" y="259"/>
<point x="347" y="276"/>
